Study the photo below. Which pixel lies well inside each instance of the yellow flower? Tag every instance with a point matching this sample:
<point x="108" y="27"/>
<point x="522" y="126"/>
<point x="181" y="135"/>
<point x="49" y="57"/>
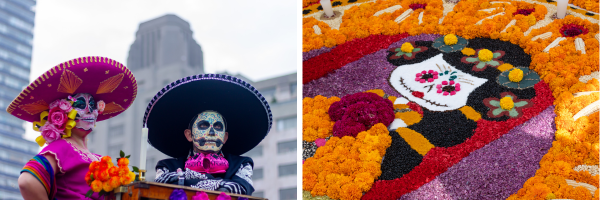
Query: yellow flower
<point x="485" y="55"/>
<point x="467" y="51"/>
<point x="106" y="186"/>
<point x="450" y="39"/>
<point x="507" y="103"/>
<point x="407" y="47"/>
<point x="515" y="75"/>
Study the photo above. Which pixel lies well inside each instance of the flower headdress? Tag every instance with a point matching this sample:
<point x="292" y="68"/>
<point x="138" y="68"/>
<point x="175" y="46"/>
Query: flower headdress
<point x="58" y="121"/>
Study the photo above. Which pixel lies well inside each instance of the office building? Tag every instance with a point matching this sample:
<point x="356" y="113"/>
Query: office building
<point x="16" y="36"/>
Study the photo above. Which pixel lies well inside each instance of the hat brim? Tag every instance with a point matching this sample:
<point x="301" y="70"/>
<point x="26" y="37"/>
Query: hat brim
<point x="103" y="78"/>
<point x="168" y="114"/>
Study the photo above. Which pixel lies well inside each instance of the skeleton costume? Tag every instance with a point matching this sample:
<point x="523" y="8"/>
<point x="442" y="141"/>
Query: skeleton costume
<point x="73" y="94"/>
<point x="216" y="105"/>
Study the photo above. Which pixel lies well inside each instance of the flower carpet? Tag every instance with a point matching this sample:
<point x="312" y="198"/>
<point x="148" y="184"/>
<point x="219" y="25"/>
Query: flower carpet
<point x="450" y="99"/>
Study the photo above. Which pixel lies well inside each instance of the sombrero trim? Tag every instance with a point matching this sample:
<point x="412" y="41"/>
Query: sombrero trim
<point x="39" y="82"/>
<point x="220" y="77"/>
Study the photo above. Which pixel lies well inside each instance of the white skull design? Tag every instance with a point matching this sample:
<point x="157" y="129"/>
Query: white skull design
<point x="434" y="84"/>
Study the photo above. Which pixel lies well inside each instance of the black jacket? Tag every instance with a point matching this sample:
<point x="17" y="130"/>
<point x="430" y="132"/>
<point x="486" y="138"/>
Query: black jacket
<point x="235" y="162"/>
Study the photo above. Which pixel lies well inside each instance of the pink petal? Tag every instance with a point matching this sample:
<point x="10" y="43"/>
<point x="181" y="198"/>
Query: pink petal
<point x="418" y="78"/>
<point x="451" y="82"/>
<point x="430" y="80"/>
<point x="422" y="81"/>
<point x="435" y="73"/>
<point x="439" y="91"/>
<point x="430" y="71"/>
<point x="452" y="93"/>
<point x="438" y="86"/>
<point x="457" y="85"/>
<point x="424" y="72"/>
<point x="446" y="93"/>
<point x="444" y="82"/>
<point x="457" y="89"/>
<point x="435" y="76"/>
<point x="419" y="74"/>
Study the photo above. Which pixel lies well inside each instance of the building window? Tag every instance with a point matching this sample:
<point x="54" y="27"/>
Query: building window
<point x="286" y="123"/>
<point x="256" y="152"/>
<point x="286" y="170"/>
<point x="293" y="89"/>
<point x="286" y="147"/>
<point x="116" y="130"/>
<point x="269" y="93"/>
<point x="287" y="194"/>
<point x="259" y="194"/>
<point x="257" y="174"/>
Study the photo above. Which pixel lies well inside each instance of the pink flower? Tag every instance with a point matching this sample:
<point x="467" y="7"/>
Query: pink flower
<point x="65" y="105"/>
<point x="50" y="133"/>
<point x="320" y="142"/>
<point x="448" y="88"/>
<point x="101" y="106"/>
<point x="58" y="118"/>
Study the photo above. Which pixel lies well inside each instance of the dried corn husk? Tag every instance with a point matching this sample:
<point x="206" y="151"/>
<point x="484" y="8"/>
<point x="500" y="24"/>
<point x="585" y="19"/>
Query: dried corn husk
<point x="403" y="16"/>
<point x="580" y="45"/>
<point x="490" y="17"/>
<point x="317" y="29"/>
<point x="542" y="36"/>
<point x="573" y="183"/>
<point x="421" y="17"/>
<point x="554" y="44"/>
<point x="388" y="10"/>
<point x="511" y="23"/>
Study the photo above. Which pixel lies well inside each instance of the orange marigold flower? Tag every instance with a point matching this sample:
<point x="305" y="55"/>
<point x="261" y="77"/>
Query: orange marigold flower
<point x="96" y="186"/>
<point x="106" y="186"/>
<point x="94" y="165"/>
<point x="113" y="171"/>
<point x="123" y="162"/>
<point x="114" y="182"/>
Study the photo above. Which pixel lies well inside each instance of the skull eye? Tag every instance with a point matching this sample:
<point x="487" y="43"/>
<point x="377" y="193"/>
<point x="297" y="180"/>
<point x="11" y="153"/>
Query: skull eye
<point x="92" y="104"/>
<point x="218" y="126"/>
<point x="80" y="103"/>
<point x="203" y="125"/>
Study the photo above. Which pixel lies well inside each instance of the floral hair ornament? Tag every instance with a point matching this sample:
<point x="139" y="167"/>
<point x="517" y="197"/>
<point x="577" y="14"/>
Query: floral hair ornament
<point x="101" y="105"/>
<point x="56" y="123"/>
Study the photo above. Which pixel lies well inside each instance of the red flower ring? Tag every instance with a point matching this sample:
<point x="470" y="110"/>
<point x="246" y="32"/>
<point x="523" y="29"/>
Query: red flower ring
<point x="572" y="30"/>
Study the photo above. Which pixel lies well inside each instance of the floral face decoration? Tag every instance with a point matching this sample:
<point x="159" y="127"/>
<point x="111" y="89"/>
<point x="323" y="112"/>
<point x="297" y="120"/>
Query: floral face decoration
<point x="208" y="132"/>
<point x="435" y="84"/>
<point x="78" y="111"/>
<point x="87" y="111"/>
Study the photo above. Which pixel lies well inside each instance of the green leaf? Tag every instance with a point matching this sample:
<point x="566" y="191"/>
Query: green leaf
<point x="469" y="59"/>
<point x="122" y="154"/>
<point x="137" y="177"/>
<point x="92" y="176"/>
<point x="89" y="193"/>
<point x="452" y="77"/>
<point x="497" y="55"/>
<point x="453" y="72"/>
<point x="409" y="55"/>
<point x="135" y="169"/>
<point x="102" y="193"/>
<point x="416" y="49"/>
<point x="127" y="156"/>
<point x="446" y="72"/>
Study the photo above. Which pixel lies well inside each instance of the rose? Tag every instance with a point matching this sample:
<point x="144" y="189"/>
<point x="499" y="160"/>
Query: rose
<point x="65" y="105"/>
<point x="58" y="118"/>
<point x="50" y="133"/>
<point x="101" y="106"/>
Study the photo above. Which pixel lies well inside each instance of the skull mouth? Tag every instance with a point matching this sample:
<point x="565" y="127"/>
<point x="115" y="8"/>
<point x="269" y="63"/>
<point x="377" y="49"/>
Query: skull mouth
<point x="426" y="100"/>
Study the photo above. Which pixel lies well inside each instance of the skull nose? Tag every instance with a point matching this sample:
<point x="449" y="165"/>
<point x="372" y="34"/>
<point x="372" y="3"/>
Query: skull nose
<point x="211" y="132"/>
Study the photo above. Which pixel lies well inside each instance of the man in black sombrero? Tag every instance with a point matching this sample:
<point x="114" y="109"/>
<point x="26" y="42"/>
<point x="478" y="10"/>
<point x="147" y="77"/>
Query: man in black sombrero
<point x="205" y="122"/>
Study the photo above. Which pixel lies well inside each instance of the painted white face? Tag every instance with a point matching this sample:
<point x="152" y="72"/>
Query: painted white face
<point x="434" y="84"/>
<point x="208" y="131"/>
<point x="87" y="111"/>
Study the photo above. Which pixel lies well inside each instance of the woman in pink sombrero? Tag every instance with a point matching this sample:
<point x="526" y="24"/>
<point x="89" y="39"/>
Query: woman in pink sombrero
<point x="64" y="104"/>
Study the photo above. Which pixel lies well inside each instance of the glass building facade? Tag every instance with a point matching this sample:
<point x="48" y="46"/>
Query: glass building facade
<point x="16" y="36"/>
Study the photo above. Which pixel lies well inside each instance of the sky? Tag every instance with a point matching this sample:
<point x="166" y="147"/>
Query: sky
<point x="257" y="39"/>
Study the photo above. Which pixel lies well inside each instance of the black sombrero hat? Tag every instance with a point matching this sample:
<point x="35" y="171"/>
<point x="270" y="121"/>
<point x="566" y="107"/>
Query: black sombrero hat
<point x="247" y="113"/>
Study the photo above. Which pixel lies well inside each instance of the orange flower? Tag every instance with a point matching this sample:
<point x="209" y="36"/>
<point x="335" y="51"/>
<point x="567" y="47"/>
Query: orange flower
<point x="101" y="175"/>
<point x="123" y="162"/>
<point x="113" y="171"/>
<point x="106" y="186"/>
<point x="94" y="166"/>
<point x="114" y="182"/>
<point x="96" y="185"/>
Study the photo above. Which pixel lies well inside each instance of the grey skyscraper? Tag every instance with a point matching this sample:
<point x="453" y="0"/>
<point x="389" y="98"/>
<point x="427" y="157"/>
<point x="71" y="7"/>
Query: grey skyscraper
<point x="162" y="52"/>
<point x="16" y="35"/>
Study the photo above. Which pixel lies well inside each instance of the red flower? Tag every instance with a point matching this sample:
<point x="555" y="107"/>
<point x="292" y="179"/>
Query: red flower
<point x="418" y="94"/>
<point x="572" y="30"/>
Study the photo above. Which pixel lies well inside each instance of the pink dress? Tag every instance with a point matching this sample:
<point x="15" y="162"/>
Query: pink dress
<point x="73" y="164"/>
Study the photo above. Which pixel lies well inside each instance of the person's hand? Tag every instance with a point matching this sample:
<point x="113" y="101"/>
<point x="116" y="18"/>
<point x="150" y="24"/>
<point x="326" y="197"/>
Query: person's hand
<point x="222" y="189"/>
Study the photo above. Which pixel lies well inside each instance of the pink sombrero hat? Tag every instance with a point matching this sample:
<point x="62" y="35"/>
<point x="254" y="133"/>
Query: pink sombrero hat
<point x="103" y="78"/>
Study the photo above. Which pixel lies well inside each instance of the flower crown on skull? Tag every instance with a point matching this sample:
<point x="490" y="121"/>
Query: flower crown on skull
<point x="79" y="111"/>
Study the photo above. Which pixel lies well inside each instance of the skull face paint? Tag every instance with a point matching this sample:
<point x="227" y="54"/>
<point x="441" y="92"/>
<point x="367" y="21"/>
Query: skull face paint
<point x="87" y="111"/>
<point x="208" y="131"/>
<point x="435" y="84"/>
